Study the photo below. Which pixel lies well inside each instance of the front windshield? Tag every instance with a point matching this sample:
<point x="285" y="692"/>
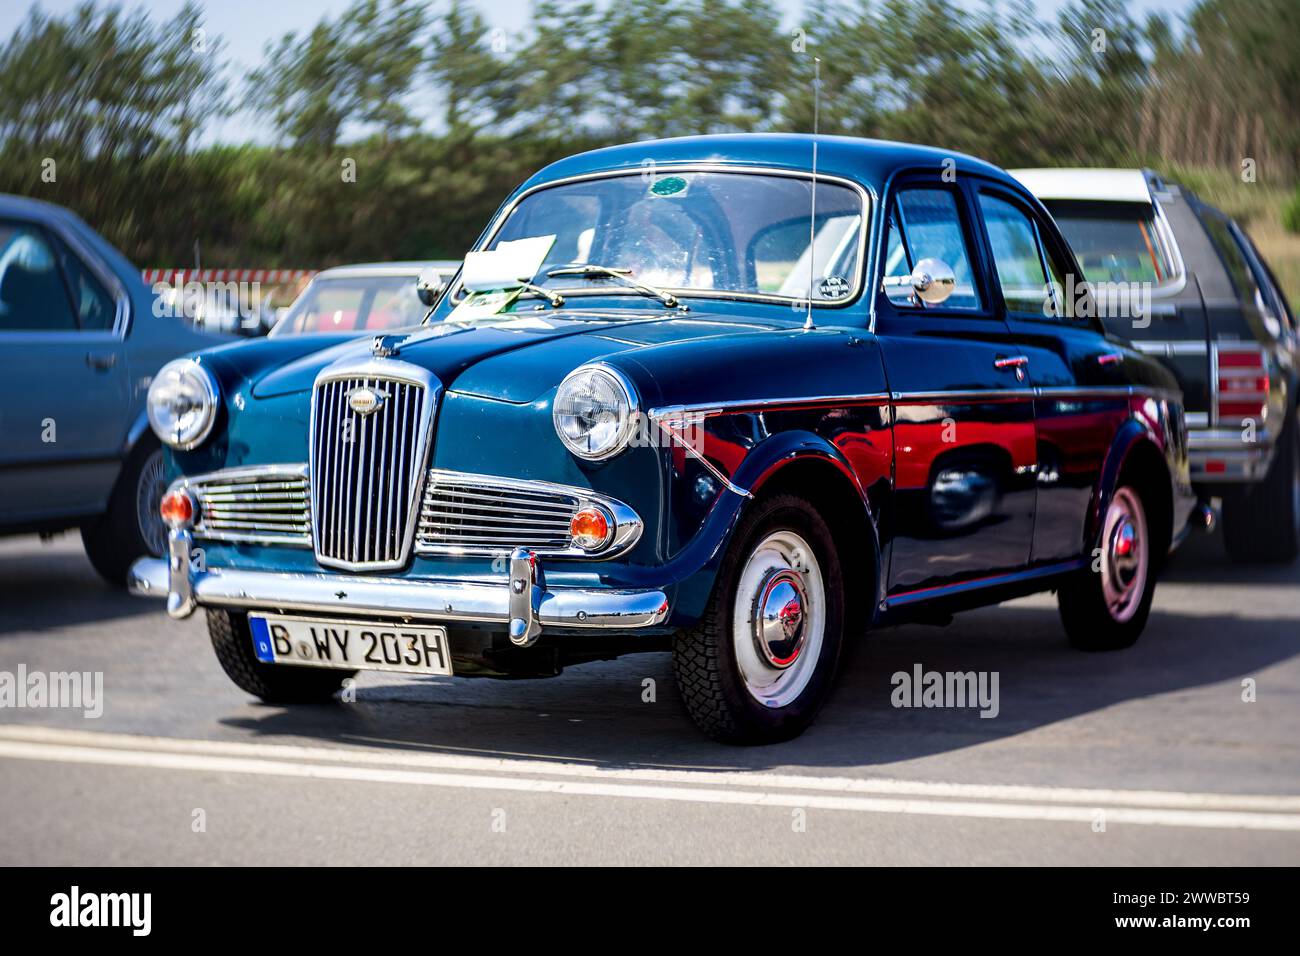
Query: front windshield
<point x="723" y="233"/>
<point x="1116" y="242"/>
<point x="354" y="304"/>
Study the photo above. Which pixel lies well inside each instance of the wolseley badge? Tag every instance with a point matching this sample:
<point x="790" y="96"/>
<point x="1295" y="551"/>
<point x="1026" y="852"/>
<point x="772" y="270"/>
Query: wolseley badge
<point x="364" y="400"/>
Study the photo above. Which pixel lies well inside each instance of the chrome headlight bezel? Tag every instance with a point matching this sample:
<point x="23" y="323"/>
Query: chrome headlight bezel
<point x="629" y="411"/>
<point x="209" y="393"/>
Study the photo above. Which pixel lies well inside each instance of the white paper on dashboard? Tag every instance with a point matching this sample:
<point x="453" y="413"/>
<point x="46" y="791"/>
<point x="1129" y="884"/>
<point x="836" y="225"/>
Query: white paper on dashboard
<point x="507" y="266"/>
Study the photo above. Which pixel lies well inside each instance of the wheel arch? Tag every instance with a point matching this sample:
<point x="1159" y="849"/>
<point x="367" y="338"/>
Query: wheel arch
<point x="1136" y="458"/>
<point x="817" y="472"/>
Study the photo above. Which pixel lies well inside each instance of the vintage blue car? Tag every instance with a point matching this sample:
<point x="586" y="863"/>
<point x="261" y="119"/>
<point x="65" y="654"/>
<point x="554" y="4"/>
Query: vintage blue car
<point x="736" y="397"/>
<point x="80" y="341"/>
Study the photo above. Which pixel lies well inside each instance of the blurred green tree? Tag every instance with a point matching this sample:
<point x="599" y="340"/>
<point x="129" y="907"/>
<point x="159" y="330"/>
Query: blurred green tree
<point x="359" y="68"/>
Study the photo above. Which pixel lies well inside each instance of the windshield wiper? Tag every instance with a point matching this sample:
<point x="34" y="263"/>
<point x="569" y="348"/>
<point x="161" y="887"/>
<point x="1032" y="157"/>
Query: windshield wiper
<point x="622" y="275"/>
<point x="554" y="298"/>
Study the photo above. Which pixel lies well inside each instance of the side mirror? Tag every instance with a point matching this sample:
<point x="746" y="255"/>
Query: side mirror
<point x="428" y="286"/>
<point x="932" y="280"/>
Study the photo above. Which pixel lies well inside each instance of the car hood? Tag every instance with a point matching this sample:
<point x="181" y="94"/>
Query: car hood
<point x="517" y="358"/>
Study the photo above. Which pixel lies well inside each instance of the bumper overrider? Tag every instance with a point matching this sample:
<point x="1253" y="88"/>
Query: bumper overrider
<point x="523" y="605"/>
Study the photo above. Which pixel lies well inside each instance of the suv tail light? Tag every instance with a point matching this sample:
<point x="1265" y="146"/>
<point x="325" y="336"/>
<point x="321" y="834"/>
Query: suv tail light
<point x="1242" y="380"/>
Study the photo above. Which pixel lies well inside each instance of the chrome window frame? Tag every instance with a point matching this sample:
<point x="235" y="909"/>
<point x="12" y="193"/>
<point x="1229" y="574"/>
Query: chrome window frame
<point x="864" y="230"/>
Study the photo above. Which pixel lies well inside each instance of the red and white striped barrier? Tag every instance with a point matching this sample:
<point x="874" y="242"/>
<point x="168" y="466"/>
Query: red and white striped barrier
<point x="267" y="276"/>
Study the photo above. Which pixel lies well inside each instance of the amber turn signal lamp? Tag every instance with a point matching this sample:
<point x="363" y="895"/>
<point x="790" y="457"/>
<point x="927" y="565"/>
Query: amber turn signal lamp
<point x="589" y="529"/>
<point x="177" y="509"/>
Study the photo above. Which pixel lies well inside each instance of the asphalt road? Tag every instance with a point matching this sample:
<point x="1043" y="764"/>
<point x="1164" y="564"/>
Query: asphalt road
<point x="1146" y="756"/>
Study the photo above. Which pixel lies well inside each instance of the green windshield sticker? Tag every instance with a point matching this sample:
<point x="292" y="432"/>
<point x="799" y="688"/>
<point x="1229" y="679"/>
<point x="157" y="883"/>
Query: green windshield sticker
<point x="668" y="186"/>
<point x="478" y="305"/>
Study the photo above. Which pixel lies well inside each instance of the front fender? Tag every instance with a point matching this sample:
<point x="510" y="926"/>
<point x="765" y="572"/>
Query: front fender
<point x="798" y="460"/>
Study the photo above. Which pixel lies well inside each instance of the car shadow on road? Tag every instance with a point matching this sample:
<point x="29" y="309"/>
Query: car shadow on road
<point x="598" y="714"/>
<point x="54" y="586"/>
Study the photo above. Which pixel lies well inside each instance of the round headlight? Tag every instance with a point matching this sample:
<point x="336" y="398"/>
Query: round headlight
<point x="183" y="403"/>
<point x="594" y="412"/>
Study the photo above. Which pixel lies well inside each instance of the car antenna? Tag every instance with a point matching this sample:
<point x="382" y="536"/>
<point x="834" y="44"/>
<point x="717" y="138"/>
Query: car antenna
<point x="812" y="218"/>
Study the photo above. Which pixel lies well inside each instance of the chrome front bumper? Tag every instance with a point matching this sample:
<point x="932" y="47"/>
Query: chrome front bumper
<point x="523" y="605"/>
<point x="1221" y="455"/>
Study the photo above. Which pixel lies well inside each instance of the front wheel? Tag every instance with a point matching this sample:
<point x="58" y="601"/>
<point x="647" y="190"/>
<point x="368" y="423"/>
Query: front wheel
<point x="760" y="664"/>
<point x="1105" y="607"/>
<point x="273" y="683"/>
<point x="132" y="527"/>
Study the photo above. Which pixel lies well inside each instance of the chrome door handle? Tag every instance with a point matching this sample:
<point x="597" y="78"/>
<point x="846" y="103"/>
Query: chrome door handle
<point x="1011" y="361"/>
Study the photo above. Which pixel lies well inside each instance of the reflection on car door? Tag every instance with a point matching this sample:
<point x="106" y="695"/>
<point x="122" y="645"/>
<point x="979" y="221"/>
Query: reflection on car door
<point x="963" y="416"/>
<point x="1081" y="392"/>
<point x="63" y="376"/>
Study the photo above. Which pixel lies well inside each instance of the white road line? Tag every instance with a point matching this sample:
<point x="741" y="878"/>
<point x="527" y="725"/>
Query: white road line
<point x="270" y="760"/>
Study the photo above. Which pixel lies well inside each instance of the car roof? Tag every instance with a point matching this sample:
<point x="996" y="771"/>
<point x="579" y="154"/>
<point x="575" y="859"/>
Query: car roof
<point x="1109" y="185"/>
<point x="867" y="161"/>
<point x="361" y="270"/>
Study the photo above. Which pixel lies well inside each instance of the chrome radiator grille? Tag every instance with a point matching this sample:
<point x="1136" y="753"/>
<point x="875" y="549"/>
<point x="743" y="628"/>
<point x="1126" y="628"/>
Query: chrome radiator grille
<point x="366" y="468"/>
<point x="476" y="514"/>
<point x="262" y="504"/>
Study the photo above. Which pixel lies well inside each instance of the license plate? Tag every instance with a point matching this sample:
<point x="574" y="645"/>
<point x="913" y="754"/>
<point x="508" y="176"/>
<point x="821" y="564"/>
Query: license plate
<point x="350" y="645"/>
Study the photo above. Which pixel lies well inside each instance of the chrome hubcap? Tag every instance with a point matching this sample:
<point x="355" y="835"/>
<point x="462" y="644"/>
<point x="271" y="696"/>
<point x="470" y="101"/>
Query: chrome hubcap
<point x="148" y="496"/>
<point x="1124" y="555"/>
<point x="778" y="618"/>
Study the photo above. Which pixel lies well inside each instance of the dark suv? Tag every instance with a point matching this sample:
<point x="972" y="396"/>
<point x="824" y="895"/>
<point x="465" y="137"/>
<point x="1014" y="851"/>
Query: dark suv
<point x="1217" y="318"/>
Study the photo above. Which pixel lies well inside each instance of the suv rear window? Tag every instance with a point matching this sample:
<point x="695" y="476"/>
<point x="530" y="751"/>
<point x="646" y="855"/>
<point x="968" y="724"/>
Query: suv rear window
<point x="1117" y="242"/>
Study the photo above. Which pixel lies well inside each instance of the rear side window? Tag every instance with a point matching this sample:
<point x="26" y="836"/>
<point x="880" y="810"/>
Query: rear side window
<point x="926" y="224"/>
<point x="1272" y="305"/>
<point x="1018" y="257"/>
<point x="95" y="308"/>
<point x="1233" y="260"/>
<point x="33" y="296"/>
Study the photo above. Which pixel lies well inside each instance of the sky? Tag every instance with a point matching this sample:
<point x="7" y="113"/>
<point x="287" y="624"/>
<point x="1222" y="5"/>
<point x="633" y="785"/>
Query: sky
<point x="247" y="25"/>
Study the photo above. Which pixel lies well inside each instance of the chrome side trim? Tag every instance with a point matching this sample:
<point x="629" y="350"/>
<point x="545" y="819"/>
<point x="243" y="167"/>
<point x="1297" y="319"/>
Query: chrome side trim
<point x="628" y="525"/>
<point x="668" y="425"/>
<point x="962" y="395"/>
<point x="904" y="598"/>
<point x="1108" y="391"/>
<point x="406" y="598"/>
<point x="1172" y="347"/>
<point x="677" y="412"/>
<point x="1214" y="385"/>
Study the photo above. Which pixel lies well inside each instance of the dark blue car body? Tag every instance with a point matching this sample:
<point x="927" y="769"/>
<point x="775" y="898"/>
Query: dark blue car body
<point x="959" y="457"/>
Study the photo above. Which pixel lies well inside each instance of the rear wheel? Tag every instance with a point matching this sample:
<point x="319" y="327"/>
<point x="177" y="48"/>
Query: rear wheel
<point x="1262" y="523"/>
<point x="761" y="662"/>
<point x="1105" y="606"/>
<point x="132" y="527"/>
<point x="273" y="683"/>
